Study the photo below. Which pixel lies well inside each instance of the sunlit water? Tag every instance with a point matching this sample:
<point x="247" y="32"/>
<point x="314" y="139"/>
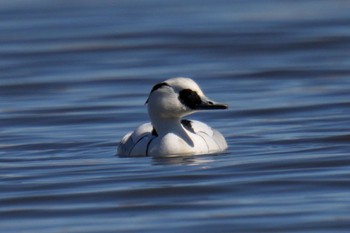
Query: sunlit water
<point x="75" y="77"/>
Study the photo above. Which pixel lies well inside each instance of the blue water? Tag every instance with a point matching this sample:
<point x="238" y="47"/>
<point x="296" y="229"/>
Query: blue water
<point x="74" y="79"/>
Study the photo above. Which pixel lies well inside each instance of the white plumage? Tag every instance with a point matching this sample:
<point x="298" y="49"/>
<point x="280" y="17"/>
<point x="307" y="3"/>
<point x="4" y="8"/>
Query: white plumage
<point x="168" y="134"/>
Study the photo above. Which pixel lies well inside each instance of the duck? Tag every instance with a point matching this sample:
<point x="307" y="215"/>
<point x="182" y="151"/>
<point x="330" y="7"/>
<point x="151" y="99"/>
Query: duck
<point x="169" y="134"/>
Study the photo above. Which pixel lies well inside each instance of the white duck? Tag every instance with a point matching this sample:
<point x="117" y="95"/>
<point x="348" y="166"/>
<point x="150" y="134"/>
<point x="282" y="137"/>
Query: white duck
<point x="168" y="134"/>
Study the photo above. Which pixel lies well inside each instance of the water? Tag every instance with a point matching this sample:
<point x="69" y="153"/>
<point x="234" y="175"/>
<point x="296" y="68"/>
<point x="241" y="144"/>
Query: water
<point x="74" y="79"/>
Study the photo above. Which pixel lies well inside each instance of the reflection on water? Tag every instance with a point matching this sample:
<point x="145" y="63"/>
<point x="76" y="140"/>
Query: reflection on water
<point x="74" y="80"/>
<point x="183" y="160"/>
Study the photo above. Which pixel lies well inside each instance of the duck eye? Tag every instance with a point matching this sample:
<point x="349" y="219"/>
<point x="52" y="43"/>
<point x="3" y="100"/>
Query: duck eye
<point x="189" y="98"/>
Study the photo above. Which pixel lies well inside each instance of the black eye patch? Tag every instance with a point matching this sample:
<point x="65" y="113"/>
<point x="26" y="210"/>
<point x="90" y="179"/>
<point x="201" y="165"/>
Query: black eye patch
<point x="189" y="98"/>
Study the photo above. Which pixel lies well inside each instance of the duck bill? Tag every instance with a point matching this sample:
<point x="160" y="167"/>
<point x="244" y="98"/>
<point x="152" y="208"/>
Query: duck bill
<point x="210" y="105"/>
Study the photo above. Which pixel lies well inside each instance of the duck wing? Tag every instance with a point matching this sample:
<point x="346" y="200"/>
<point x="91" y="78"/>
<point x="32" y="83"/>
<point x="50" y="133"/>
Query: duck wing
<point x="135" y="143"/>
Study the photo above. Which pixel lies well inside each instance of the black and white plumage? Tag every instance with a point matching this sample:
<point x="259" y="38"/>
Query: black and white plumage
<point x="168" y="134"/>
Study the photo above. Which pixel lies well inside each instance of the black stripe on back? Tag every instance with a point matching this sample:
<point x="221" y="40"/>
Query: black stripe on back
<point x="187" y="124"/>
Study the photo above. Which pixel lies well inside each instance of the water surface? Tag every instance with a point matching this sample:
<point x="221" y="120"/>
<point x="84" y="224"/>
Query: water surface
<point x="74" y="80"/>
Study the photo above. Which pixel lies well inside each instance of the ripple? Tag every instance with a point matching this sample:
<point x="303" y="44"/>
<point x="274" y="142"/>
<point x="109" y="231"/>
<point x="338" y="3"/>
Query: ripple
<point x="75" y="78"/>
